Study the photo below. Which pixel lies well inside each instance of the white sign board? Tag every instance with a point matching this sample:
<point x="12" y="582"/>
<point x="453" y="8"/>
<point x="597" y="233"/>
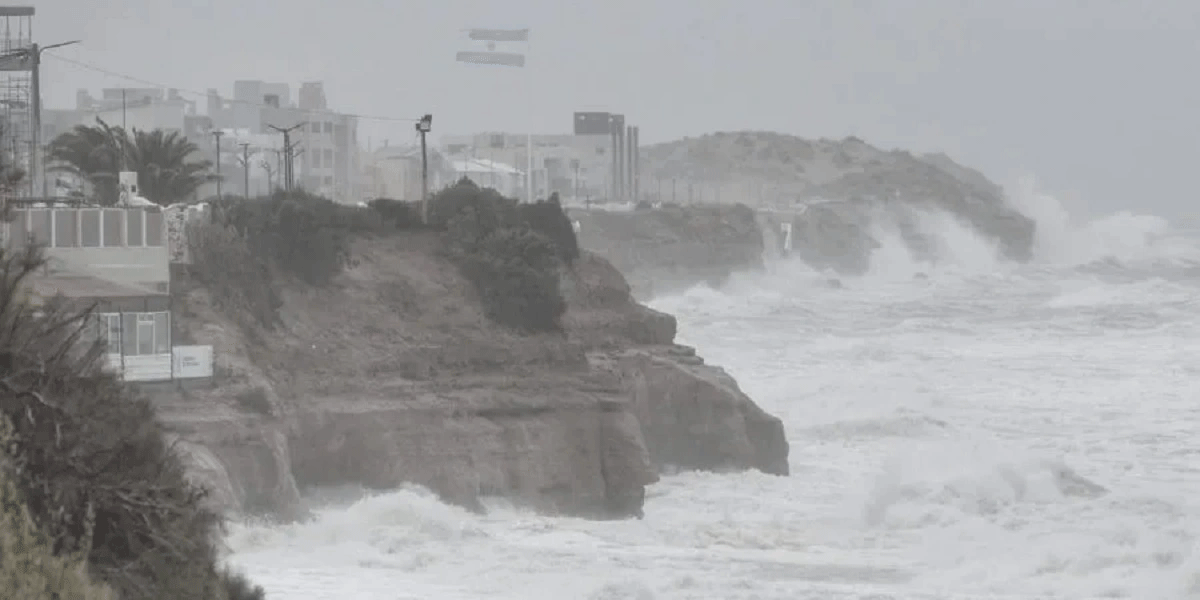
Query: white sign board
<point x="193" y="361"/>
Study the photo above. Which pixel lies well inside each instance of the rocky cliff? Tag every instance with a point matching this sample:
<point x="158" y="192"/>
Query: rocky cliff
<point x="667" y="248"/>
<point x="841" y="196"/>
<point x="393" y="375"/>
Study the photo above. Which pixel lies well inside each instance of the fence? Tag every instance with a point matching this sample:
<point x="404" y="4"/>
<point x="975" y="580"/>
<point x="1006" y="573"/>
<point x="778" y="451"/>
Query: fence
<point x="183" y="362"/>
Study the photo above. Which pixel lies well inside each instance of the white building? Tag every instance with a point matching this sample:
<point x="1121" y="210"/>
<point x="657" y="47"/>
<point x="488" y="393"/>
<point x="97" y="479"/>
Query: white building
<point x="505" y="179"/>
<point x="327" y="160"/>
<point x="395" y="172"/>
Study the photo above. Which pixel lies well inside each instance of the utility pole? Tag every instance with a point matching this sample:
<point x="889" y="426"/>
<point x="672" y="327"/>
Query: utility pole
<point x="245" y="169"/>
<point x="287" y="149"/>
<point x="217" y="136"/>
<point x="290" y="164"/>
<point x="31" y="58"/>
<point x="423" y="126"/>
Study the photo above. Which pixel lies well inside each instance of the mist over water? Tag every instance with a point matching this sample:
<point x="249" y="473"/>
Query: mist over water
<point x="991" y="430"/>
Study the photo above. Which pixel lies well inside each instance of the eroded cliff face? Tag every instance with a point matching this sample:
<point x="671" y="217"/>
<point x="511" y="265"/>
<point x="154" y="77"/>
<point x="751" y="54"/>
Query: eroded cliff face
<point x="670" y="248"/>
<point x="406" y="381"/>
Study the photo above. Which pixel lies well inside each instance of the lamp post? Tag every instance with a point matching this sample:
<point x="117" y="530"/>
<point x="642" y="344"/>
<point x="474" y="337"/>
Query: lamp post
<point x="423" y="126"/>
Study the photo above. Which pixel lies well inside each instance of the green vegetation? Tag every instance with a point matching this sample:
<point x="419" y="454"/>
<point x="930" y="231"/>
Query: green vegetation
<point x="249" y="240"/>
<point x="87" y="474"/>
<point x="512" y="253"/>
<point x="29" y="570"/>
<point x="166" y="163"/>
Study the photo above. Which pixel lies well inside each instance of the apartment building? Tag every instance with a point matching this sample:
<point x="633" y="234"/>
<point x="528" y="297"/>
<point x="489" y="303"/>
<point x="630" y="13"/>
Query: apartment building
<point x="395" y="172"/>
<point x="327" y="158"/>
<point x="562" y="163"/>
<point x="115" y="259"/>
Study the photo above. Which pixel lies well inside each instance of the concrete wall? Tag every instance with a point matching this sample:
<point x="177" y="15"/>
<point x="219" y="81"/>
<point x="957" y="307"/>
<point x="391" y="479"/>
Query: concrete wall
<point x="145" y="267"/>
<point x="143" y="263"/>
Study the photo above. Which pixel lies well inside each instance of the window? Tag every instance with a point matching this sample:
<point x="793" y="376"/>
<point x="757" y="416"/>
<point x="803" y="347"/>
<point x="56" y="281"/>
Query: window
<point x="134" y="231"/>
<point x="154" y="228"/>
<point x="145" y="334"/>
<point x="109" y="326"/>
<point x="129" y="333"/>
<point x="39" y="226"/>
<point x="89" y="228"/>
<point x="316" y="127"/>
<point x="18" y="235"/>
<point x="328" y="154"/>
<point x="66" y="228"/>
<point x="328" y="126"/>
<point x="328" y="180"/>
<point x="113" y="224"/>
<point x="140" y="333"/>
<point x="162" y="333"/>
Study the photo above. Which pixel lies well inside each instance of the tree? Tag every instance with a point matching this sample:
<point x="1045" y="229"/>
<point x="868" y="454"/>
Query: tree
<point x="88" y="463"/>
<point x="166" y="163"/>
<point x="92" y="153"/>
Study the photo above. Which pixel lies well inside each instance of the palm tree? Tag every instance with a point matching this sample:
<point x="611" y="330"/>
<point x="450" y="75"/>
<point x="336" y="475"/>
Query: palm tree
<point x="93" y="154"/>
<point x="167" y="173"/>
<point x="167" y="169"/>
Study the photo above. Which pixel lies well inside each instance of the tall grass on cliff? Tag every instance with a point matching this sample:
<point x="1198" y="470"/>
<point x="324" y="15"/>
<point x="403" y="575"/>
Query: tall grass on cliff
<point x="511" y="253"/>
<point x="89" y="463"/>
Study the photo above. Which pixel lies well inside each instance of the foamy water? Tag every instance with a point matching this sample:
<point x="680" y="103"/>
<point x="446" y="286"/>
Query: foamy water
<point x="947" y="435"/>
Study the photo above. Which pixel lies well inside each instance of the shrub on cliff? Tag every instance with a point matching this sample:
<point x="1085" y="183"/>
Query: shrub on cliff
<point x="513" y="267"/>
<point x="304" y="235"/>
<point x="397" y="214"/>
<point x="548" y="218"/>
<point x="238" y="281"/>
<point x="89" y="461"/>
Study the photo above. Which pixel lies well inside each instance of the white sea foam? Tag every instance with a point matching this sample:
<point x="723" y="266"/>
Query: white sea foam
<point x="993" y="431"/>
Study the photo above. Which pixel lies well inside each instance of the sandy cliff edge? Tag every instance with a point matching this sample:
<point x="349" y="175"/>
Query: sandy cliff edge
<point x="405" y="381"/>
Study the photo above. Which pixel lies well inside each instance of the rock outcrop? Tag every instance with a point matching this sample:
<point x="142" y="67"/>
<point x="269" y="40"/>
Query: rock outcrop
<point x="842" y="195"/>
<point x="407" y="382"/>
<point x="669" y="248"/>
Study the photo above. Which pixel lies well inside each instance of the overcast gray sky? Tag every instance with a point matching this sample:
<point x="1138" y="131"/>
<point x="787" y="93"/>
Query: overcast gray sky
<point x="1096" y="98"/>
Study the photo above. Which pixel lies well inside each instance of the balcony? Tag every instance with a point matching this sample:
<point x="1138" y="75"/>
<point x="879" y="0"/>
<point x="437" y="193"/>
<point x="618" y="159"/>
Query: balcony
<point x="126" y="245"/>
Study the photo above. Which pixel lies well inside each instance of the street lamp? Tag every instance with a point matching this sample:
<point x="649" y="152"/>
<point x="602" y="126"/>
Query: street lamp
<point x="423" y="126"/>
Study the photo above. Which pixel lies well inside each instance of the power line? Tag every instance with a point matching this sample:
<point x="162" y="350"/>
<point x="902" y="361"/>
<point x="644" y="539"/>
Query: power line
<point x="156" y="84"/>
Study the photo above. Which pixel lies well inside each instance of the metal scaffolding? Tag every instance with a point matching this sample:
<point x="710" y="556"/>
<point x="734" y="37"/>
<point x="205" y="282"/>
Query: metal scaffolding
<point x="16" y="99"/>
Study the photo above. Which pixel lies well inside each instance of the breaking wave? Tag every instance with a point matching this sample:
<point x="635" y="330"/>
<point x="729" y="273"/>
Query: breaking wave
<point x="1017" y="429"/>
<point x="1109" y="246"/>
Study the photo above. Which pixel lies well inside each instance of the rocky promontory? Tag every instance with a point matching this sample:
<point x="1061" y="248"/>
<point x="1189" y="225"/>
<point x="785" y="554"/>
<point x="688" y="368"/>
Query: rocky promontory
<point x="841" y="197"/>
<point x="668" y="248"/>
<point x="393" y="373"/>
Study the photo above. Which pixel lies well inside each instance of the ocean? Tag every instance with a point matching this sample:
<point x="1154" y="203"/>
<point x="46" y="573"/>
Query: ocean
<point x="951" y="428"/>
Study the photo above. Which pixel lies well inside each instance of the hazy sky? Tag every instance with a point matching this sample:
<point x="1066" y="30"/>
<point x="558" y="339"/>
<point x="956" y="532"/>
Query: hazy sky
<point x="1097" y="98"/>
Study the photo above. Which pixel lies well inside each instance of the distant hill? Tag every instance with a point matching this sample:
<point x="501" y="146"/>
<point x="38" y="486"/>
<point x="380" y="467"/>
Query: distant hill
<point x="849" y="184"/>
